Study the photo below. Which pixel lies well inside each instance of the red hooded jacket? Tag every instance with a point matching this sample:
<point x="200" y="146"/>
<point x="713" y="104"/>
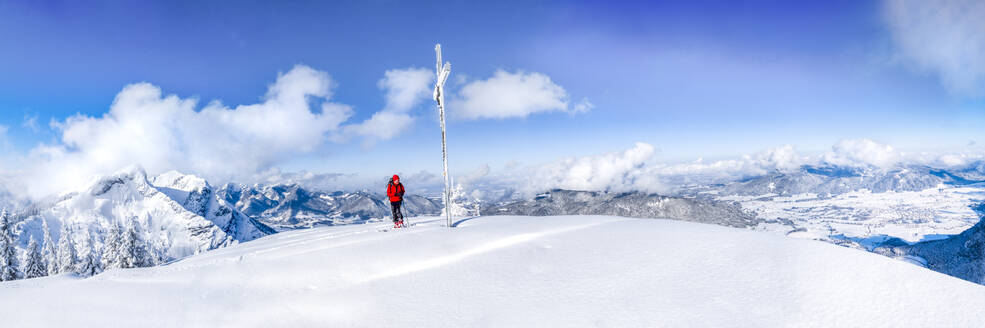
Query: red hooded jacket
<point x="395" y="190"/>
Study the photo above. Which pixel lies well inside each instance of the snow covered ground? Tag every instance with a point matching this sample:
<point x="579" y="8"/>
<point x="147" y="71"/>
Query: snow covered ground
<point x="868" y="217"/>
<point x="505" y="272"/>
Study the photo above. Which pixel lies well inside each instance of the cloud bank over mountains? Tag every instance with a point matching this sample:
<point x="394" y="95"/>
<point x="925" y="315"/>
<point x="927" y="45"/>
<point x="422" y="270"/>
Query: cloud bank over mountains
<point x="163" y="132"/>
<point x="159" y="132"/>
<point x="614" y="171"/>
<point x="636" y="169"/>
<point x="298" y="115"/>
<point x="855" y="152"/>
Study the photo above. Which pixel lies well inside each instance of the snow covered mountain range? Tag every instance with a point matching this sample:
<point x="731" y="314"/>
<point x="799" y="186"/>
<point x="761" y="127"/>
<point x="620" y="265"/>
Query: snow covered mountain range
<point x="290" y="206"/>
<point x="177" y="215"/>
<point x="180" y="215"/>
<point x="174" y="215"/>
<point x="834" y="180"/>
<point x="922" y="214"/>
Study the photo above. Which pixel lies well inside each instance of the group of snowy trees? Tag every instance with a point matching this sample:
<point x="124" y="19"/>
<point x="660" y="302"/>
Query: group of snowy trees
<point x="460" y="203"/>
<point x="122" y="248"/>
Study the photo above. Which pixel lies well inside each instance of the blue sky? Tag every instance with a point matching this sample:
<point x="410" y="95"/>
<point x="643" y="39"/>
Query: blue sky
<point x="709" y="79"/>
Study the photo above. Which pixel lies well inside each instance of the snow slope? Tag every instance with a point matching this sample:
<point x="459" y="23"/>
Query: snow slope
<point x="510" y="271"/>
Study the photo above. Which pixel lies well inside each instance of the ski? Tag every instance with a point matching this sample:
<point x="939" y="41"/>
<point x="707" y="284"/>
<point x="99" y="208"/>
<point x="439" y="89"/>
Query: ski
<point x="397" y="225"/>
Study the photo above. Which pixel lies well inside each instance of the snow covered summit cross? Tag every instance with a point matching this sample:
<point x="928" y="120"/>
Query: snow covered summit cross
<point x="442" y="72"/>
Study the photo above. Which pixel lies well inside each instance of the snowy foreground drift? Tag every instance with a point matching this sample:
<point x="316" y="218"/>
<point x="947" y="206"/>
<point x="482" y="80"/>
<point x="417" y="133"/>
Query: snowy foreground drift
<point x="509" y="271"/>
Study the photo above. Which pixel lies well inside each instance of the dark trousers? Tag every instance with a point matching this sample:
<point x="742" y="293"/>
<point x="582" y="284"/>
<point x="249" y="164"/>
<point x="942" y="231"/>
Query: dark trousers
<point x="395" y="208"/>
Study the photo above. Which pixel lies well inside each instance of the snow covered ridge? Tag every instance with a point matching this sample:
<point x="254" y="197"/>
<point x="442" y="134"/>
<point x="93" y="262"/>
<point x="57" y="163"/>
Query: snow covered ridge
<point x="170" y="218"/>
<point x="503" y="271"/>
<point x="628" y="204"/>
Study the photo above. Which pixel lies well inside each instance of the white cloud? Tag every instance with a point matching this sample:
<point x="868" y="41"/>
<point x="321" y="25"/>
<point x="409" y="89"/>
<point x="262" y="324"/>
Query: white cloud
<point x="583" y="106"/>
<point x="381" y="126"/>
<point x="632" y="170"/>
<point x="604" y="171"/>
<point x="946" y="37"/>
<point x="783" y="158"/>
<point x="511" y="95"/>
<point x="629" y="170"/>
<point x="422" y="177"/>
<point x="307" y="179"/>
<point x="856" y="152"/>
<point x="953" y="159"/>
<point x="479" y="173"/>
<point x="4" y="145"/>
<point x="31" y="123"/>
<point x="404" y="89"/>
<point x="617" y="171"/>
<point x="164" y="132"/>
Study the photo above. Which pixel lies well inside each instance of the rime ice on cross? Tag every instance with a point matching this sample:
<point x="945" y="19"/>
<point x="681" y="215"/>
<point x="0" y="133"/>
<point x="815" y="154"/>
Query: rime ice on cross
<point x="442" y="73"/>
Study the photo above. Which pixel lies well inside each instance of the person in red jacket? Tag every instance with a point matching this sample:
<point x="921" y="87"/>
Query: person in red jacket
<point x="395" y="190"/>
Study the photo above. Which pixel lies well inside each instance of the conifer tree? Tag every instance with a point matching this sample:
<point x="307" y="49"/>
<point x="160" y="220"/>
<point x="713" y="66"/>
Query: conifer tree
<point x="9" y="264"/>
<point x="34" y="264"/>
<point x="460" y="204"/>
<point x="161" y="250"/>
<point x="90" y="264"/>
<point x="111" y="248"/>
<point x="132" y="250"/>
<point x="67" y="258"/>
<point x="48" y="252"/>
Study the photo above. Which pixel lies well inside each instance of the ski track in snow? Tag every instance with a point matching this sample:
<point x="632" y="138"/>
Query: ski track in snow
<point x="484" y="248"/>
<point x="295" y="240"/>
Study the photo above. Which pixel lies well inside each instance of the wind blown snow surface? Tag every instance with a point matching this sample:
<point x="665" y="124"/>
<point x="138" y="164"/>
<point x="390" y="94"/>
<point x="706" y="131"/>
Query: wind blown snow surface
<point x="509" y="271"/>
